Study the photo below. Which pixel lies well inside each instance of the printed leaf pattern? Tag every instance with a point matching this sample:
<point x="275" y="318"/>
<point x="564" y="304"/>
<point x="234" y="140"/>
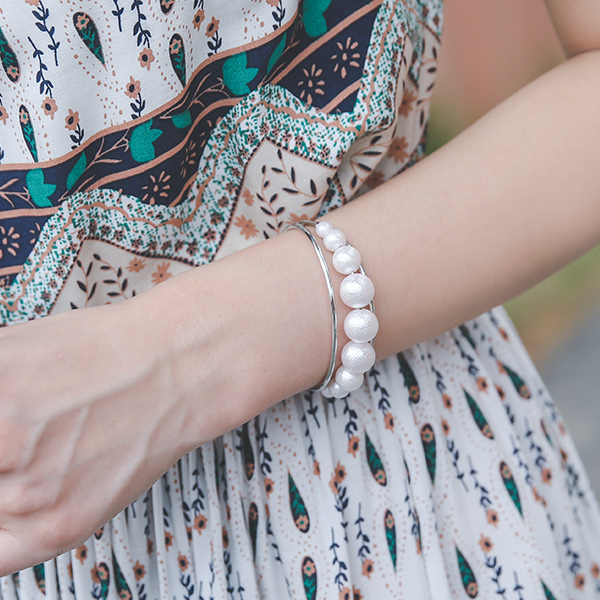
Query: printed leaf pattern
<point x="467" y="576"/>
<point x="428" y="441"/>
<point x="122" y="587"/>
<point x="390" y="535"/>
<point x="9" y="59"/>
<point x="549" y="595"/>
<point x="298" y="507"/>
<point x="253" y="526"/>
<point x="313" y="17"/>
<point x="467" y="335"/>
<point x="410" y="381"/>
<point x="277" y="53"/>
<point x="511" y="486"/>
<point x="40" y="577"/>
<point x="237" y="75"/>
<point x="375" y="464"/>
<point x="480" y="420"/>
<point x="247" y="453"/>
<point x="86" y="29"/>
<point x="39" y="190"/>
<point x="309" y="578"/>
<point x="517" y="381"/>
<point x="27" y="130"/>
<point x="177" y="55"/>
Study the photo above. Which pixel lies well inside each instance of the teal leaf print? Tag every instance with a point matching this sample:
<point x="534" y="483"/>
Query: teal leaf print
<point x="516" y="380"/>
<point x="390" y="535"/>
<point x="467" y="576"/>
<point x="467" y="335"/>
<point x="374" y="461"/>
<point x="39" y="190"/>
<point x="27" y="130"/>
<point x="309" y="578"/>
<point x="298" y="507"/>
<point x="122" y="587"/>
<point x="511" y="486"/>
<point x="247" y="453"/>
<point x="253" y="526"/>
<point x="478" y="417"/>
<point x="237" y="74"/>
<point x="277" y="53"/>
<point x="549" y="595"/>
<point x="428" y="441"/>
<point x="76" y="171"/>
<point x="9" y="59"/>
<point x="182" y="120"/>
<point x="313" y="17"/>
<point x="40" y="577"/>
<point x="410" y="381"/>
<point x="142" y="141"/>
<point x="177" y="54"/>
<point x="87" y="31"/>
<point x="101" y="574"/>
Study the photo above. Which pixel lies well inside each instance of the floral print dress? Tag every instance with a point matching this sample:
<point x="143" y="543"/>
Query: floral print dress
<point x="140" y="138"/>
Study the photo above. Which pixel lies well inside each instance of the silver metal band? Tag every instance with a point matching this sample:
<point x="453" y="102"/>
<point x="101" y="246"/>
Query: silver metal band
<point x="301" y="226"/>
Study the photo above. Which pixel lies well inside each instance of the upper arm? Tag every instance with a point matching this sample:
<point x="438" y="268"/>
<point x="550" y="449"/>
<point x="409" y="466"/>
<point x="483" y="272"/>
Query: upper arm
<point x="577" y="23"/>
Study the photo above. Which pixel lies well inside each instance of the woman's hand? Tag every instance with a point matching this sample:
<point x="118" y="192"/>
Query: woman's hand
<point x="92" y="413"/>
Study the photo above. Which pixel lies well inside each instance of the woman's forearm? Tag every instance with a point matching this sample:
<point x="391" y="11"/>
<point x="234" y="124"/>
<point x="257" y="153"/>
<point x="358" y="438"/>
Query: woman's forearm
<point x="506" y="203"/>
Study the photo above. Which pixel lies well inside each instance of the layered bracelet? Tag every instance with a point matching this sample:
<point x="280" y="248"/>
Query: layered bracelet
<point x="357" y="292"/>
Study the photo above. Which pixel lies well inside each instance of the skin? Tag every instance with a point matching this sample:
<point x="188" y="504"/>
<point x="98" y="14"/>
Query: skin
<point x="502" y="206"/>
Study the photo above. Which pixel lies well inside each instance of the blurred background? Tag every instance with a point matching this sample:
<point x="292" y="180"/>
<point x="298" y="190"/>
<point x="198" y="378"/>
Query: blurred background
<point x="492" y="48"/>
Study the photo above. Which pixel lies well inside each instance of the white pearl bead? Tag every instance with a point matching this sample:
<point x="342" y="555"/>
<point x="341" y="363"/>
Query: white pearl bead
<point x="346" y="259"/>
<point x="357" y="290"/>
<point x="326" y="392"/>
<point x="333" y="239"/>
<point x="358" y="358"/>
<point x="322" y="227"/>
<point x="347" y="380"/>
<point x="337" y="391"/>
<point x="361" y="325"/>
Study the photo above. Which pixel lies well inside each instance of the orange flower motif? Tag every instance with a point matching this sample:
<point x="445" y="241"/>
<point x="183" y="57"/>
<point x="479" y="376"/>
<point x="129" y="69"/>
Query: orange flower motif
<point x="447" y="401"/>
<point x="398" y="149"/>
<point x="445" y="427"/>
<point x="485" y="544"/>
<point x="225" y="537"/>
<point x="146" y="58"/>
<point x="3" y="115"/>
<point x="506" y="471"/>
<point x="49" y="107"/>
<point x="269" y="486"/>
<point x="353" y="444"/>
<point x="501" y="392"/>
<point x="82" y="21"/>
<point x="309" y="568"/>
<point x="168" y="539"/>
<point x="200" y="523"/>
<point x="23" y="116"/>
<point x="346" y="57"/>
<point x="213" y="27"/>
<point x="302" y="522"/>
<point x="132" y="89"/>
<point x="380" y="476"/>
<point x="427" y="433"/>
<point x="72" y="120"/>
<point x="294" y="218"/>
<point x="161" y="273"/>
<point x="407" y="102"/>
<point x="472" y="589"/>
<point x="81" y="553"/>
<point x="375" y="178"/>
<point x="99" y="573"/>
<point x="175" y="45"/>
<point x="389" y="421"/>
<point x="35" y="3"/>
<point x="367" y="567"/>
<point x="340" y="472"/>
<point x="579" y="581"/>
<point x="345" y="593"/>
<point x="248" y="229"/>
<point x="139" y="570"/>
<point x="149" y="547"/>
<point x="546" y="475"/>
<point x="316" y="467"/>
<point x="389" y="520"/>
<point x="356" y="594"/>
<point x="198" y="19"/>
<point x="492" y="517"/>
<point x="136" y="264"/>
<point x="182" y="561"/>
<point x="248" y="196"/>
<point x="595" y="569"/>
<point x="482" y="384"/>
<point x="273" y="3"/>
<point x="501" y="368"/>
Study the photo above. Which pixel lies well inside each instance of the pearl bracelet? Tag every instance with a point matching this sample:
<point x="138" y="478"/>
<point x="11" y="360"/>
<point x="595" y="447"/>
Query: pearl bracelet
<point x="361" y="324"/>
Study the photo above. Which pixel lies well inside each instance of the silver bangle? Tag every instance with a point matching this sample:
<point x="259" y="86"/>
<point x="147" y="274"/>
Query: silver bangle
<point x="300" y="225"/>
